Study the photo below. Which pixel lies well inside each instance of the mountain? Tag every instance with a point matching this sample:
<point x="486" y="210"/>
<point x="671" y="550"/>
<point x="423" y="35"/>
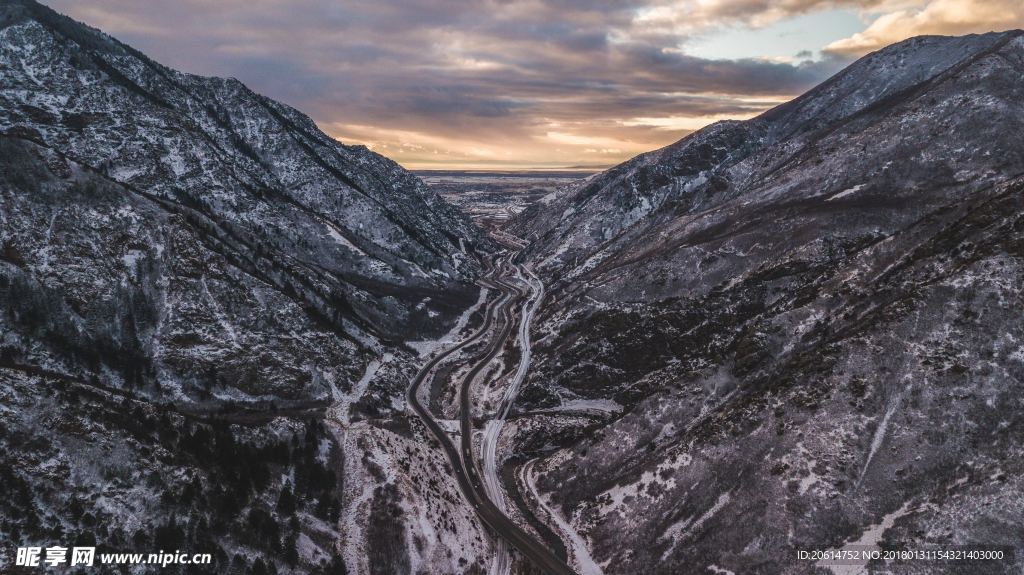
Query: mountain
<point x="218" y="219"/>
<point x="803" y="329"/>
<point x="792" y="333"/>
<point x="190" y="274"/>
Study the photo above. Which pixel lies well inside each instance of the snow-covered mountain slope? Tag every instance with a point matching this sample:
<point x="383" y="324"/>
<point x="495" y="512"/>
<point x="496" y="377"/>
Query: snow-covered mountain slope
<point x="198" y="289"/>
<point x="867" y="126"/>
<point x="349" y="223"/>
<point x="812" y="320"/>
<point x="218" y="211"/>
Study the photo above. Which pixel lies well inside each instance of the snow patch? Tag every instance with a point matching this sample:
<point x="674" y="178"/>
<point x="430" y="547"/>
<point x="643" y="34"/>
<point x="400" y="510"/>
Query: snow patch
<point x="846" y="192"/>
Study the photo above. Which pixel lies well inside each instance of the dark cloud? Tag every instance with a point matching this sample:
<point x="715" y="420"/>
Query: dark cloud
<point x="466" y="81"/>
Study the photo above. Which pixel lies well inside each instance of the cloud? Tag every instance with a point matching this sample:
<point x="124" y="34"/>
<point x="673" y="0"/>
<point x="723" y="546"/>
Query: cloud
<point x="430" y="81"/>
<point x="947" y="17"/>
<point x="672" y="16"/>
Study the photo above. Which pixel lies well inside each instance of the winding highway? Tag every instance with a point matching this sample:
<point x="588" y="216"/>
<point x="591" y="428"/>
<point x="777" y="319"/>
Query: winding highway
<point x="499" y="312"/>
<point x="501" y="563"/>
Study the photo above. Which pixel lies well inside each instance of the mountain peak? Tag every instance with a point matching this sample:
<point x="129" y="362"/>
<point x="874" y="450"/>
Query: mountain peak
<point x="887" y="73"/>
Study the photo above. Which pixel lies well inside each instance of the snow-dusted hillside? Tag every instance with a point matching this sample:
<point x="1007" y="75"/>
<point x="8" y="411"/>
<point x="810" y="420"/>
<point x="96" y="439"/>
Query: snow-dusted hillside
<point x="348" y="224"/>
<point x="197" y="288"/>
<point x="233" y="227"/>
<point x="876" y="124"/>
<point x="812" y="319"/>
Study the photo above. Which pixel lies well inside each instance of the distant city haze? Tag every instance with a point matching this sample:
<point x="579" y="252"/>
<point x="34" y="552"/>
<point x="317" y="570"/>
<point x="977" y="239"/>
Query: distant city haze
<point x="529" y="84"/>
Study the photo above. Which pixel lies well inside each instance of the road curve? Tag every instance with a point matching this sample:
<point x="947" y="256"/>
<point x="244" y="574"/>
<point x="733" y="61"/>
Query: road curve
<point x="501" y="562"/>
<point x="464" y="467"/>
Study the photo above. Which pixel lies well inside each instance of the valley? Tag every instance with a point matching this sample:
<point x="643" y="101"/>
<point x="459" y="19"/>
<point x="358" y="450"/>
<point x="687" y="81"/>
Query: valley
<point x="224" y="331"/>
<point x="517" y="293"/>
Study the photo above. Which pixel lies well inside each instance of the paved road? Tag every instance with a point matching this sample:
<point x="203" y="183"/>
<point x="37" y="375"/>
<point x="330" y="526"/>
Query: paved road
<point x="501" y="563"/>
<point x="464" y="467"/>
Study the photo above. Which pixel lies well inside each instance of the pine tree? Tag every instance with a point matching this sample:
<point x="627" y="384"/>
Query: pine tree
<point x="290" y="551"/>
<point x="286" y="502"/>
<point x="259" y="567"/>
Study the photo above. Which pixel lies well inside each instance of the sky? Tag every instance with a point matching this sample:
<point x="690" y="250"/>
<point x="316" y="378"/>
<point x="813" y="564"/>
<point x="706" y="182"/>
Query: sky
<point x="526" y="84"/>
